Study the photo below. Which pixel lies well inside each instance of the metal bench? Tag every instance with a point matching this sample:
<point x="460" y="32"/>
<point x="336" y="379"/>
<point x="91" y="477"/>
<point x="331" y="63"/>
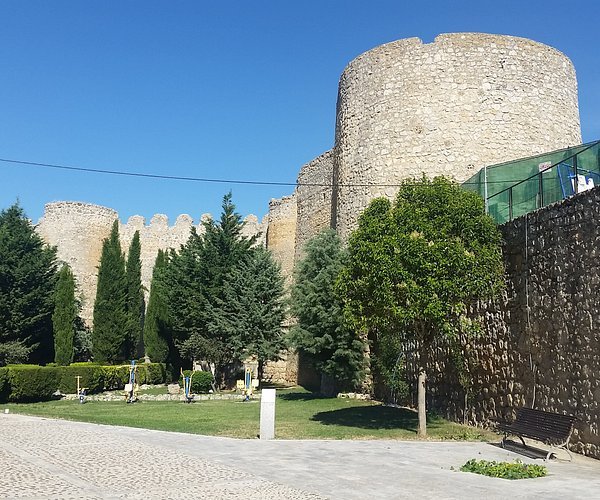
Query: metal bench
<point x="552" y="429"/>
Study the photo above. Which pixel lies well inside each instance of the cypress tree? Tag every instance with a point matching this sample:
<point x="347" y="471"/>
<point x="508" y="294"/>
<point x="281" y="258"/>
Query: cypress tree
<point x="27" y="280"/>
<point x="110" y="336"/>
<point x="135" y="297"/>
<point x="64" y="317"/>
<point x="156" y="330"/>
<point x="320" y="329"/>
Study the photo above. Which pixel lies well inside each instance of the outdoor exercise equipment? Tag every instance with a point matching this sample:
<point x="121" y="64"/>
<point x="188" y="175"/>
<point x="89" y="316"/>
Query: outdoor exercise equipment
<point x="81" y="391"/>
<point x="187" y="387"/>
<point x="131" y="388"/>
<point x="249" y="383"/>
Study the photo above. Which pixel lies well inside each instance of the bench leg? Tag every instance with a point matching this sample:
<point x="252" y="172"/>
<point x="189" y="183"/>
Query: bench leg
<point x="562" y="446"/>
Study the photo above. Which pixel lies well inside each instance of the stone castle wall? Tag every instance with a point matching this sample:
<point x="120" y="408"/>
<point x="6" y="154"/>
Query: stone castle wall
<point x="313" y="195"/>
<point x="78" y="230"/>
<point x="446" y="108"/>
<point x="541" y="347"/>
<point x="281" y="232"/>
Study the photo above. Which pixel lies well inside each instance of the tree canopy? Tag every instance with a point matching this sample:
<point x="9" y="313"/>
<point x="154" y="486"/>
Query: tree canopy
<point x="416" y="265"/>
<point x="320" y="329"/>
<point x="135" y="297"/>
<point x="252" y="310"/>
<point x="196" y="277"/>
<point x="27" y="279"/>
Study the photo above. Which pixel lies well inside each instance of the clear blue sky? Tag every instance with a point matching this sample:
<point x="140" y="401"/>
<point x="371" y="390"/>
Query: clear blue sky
<point x="220" y="89"/>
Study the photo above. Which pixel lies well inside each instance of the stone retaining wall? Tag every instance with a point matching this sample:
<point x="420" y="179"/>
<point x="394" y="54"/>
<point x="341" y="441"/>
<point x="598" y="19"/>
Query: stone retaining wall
<point x="542" y="341"/>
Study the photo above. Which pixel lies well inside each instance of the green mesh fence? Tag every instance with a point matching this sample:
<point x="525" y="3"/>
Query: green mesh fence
<point x="521" y="186"/>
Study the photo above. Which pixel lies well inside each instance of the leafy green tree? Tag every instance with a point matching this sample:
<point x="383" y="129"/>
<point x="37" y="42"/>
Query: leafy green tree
<point x="135" y="297"/>
<point x="195" y="281"/>
<point x="110" y="335"/>
<point x="27" y="280"/>
<point x="157" y="338"/>
<point x="251" y="311"/>
<point x="320" y="329"/>
<point x="64" y="317"/>
<point x="416" y="265"/>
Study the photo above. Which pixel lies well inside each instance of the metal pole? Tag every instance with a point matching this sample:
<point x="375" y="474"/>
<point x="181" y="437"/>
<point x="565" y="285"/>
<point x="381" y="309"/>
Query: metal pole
<point x="540" y="190"/>
<point x="485" y="191"/>
<point x="510" y="204"/>
<point x="576" y="181"/>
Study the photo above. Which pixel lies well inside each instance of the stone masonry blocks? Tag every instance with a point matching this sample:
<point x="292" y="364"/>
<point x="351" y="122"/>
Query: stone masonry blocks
<point x="450" y="107"/>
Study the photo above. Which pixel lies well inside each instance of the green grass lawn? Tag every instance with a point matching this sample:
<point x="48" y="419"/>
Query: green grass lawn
<point x="299" y="415"/>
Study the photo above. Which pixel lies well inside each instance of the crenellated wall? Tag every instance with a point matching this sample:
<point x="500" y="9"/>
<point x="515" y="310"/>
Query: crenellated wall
<point x="78" y="230"/>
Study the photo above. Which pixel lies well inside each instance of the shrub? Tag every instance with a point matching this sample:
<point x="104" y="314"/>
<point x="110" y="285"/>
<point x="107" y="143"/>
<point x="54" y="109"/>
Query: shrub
<point x="115" y="377"/>
<point x="92" y="378"/>
<point x="154" y="373"/>
<point x="505" y="470"/>
<point x="201" y="381"/>
<point x="32" y="382"/>
<point x="4" y="387"/>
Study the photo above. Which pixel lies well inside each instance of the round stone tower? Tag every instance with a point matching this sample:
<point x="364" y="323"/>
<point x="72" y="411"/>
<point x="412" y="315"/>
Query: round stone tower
<point x="77" y="230"/>
<point x="450" y="107"/>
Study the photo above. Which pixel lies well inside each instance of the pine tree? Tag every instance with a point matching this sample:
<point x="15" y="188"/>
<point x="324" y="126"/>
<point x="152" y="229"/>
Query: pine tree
<point x="64" y="317"/>
<point x="195" y="276"/>
<point x="110" y="334"/>
<point x="27" y="279"/>
<point x="135" y="297"/>
<point x="252" y="310"/>
<point x="156" y="325"/>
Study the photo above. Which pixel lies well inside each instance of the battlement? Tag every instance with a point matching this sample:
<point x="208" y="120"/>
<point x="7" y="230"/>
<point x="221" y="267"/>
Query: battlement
<point x="78" y="229"/>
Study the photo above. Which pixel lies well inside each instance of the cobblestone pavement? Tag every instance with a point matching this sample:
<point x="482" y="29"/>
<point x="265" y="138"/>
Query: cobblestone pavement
<point x="44" y="458"/>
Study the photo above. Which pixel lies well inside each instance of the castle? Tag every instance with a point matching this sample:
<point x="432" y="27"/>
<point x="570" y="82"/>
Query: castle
<point x="405" y="108"/>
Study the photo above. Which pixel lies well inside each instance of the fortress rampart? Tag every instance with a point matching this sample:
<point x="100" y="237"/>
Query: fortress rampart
<point x="313" y="198"/>
<point x="450" y="107"/>
<point x="78" y="230"/>
<point x="404" y="108"/>
<point x="281" y="232"/>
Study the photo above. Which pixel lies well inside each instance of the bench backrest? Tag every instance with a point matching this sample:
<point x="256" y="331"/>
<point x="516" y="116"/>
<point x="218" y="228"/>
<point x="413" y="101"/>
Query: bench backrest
<point x="552" y="424"/>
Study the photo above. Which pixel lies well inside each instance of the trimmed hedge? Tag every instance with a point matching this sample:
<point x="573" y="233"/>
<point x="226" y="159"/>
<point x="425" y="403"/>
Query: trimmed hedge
<point x="32" y="382"/>
<point x="27" y="383"/>
<point x="201" y="381"/>
<point x="92" y="378"/>
<point x="4" y="387"/>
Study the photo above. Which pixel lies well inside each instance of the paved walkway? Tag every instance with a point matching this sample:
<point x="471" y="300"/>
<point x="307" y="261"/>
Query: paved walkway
<point x="43" y="458"/>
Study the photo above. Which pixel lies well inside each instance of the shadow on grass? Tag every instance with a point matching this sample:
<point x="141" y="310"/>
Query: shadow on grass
<point x="302" y="396"/>
<point x="377" y="417"/>
<point x="370" y="417"/>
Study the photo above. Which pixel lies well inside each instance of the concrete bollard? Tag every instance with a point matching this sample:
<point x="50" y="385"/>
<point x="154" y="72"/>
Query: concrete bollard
<point x="267" y="414"/>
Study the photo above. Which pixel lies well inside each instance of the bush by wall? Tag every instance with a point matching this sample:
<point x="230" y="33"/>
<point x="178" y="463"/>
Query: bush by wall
<point x="201" y="381"/>
<point x="32" y="382"/>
